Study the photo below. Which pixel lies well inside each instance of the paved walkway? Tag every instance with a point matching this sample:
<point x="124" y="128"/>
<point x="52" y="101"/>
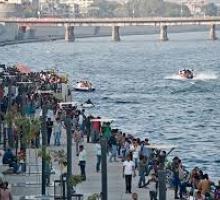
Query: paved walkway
<point x="116" y="185"/>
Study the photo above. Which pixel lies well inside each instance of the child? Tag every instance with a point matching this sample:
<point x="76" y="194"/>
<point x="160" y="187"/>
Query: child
<point x="152" y="185"/>
<point x="134" y="196"/>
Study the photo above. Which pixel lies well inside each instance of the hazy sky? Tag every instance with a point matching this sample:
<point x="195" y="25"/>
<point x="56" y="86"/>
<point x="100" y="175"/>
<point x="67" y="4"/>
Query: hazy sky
<point x="215" y="1"/>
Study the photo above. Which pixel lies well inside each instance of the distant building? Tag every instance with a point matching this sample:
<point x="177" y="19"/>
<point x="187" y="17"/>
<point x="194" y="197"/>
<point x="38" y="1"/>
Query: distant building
<point x="12" y="1"/>
<point x="195" y="6"/>
<point x="65" y="7"/>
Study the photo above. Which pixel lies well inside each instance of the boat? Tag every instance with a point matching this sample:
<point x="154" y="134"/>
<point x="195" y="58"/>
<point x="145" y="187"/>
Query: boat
<point x="88" y="104"/>
<point x="84" y="86"/>
<point x="186" y="74"/>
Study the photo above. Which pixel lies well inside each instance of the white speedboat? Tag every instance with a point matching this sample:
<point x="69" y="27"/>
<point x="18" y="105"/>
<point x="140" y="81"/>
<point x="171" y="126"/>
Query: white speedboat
<point x="186" y="74"/>
<point x="87" y="105"/>
<point x="84" y="86"/>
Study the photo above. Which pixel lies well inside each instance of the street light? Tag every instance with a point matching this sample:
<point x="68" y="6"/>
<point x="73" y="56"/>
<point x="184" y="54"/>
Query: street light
<point x="68" y="125"/>
<point x="104" y="194"/>
<point x="162" y="176"/>
<point x="44" y="146"/>
<point x="161" y="169"/>
<point x="133" y="10"/>
<point x="181" y="9"/>
<point x="103" y="142"/>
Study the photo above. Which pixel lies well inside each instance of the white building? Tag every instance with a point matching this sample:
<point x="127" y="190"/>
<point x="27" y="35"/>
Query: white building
<point x="75" y="7"/>
<point x="195" y="6"/>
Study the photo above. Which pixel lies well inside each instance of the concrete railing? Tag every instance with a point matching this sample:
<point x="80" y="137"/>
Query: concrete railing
<point x="115" y="21"/>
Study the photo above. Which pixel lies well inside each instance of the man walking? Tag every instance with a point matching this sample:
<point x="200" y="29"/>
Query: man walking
<point x="128" y="169"/>
<point x="82" y="161"/>
<point x="49" y="125"/>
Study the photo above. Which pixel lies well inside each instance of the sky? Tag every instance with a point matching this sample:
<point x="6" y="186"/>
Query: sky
<point x="209" y="1"/>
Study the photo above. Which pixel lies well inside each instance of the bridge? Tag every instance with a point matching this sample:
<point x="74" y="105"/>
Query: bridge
<point x="115" y="23"/>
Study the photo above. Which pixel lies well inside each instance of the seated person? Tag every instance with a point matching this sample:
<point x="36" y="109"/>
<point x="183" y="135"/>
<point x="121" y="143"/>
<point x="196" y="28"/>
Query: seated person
<point x="7" y="157"/>
<point x="217" y="192"/>
<point x="10" y="159"/>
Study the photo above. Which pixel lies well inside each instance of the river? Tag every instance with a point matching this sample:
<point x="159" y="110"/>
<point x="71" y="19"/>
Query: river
<point x="136" y="85"/>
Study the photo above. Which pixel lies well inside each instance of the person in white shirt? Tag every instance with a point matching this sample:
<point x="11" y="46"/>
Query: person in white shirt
<point x="82" y="161"/>
<point x="98" y="155"/>
<point x="128" y="170"/>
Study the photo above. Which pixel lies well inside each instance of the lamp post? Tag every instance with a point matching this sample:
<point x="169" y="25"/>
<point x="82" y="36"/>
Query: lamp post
<point x="104" y="195"/>
<point x="133" y="10"/>
<point x="9" y="130"/>
<point x="68" y="125"/>
<point x="181" y="8"/>
<point x="44" y="146"/>
<point x="162" y="176"/>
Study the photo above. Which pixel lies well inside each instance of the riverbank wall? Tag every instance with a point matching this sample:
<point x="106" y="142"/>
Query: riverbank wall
<point x="9" y="33"/>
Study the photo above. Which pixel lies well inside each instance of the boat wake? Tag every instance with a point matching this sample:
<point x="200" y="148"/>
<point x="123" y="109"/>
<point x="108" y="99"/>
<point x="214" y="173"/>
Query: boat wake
<point x="202" y="76"/>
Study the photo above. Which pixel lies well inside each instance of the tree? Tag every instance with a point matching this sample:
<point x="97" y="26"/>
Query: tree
<point x="174" y="10"/>
<point x="210" y="9"/>
<point x="105" y="8"/>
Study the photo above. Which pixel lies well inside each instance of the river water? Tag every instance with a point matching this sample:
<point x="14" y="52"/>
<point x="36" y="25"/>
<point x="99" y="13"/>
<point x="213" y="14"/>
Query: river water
<point x="136" y="85"/>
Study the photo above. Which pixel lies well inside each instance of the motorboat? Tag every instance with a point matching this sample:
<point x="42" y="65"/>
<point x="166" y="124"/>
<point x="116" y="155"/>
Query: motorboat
<point x="88" y="104"/>
<point x="186" y="74"/>
<point x="84" y="86"/>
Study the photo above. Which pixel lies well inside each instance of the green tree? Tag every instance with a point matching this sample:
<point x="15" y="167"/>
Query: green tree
<point x="105" y="8"/>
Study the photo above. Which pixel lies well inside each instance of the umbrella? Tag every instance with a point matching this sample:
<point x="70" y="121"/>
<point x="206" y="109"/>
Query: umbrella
<point x="24" y="69"/>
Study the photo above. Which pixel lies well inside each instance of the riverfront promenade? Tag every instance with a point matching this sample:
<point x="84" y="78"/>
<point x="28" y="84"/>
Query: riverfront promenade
<point x="116" y="184"/>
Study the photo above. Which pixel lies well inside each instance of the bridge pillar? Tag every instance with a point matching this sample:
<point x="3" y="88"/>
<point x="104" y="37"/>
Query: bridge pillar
<point x="69" y="33"/>
<point x="115" y="34"/>
<point x="21" y="32"/>
<point x="163" y="33"/>
<point x="212" y="32"/>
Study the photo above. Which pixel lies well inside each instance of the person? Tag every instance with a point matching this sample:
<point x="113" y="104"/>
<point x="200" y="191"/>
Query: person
<point x="49" y="126"/>
<point x="128" y="170"/>
<point x="57" y="132"/>
<point x="113" y="146"/>
<point x="81" y="121"/>
<point x="82" y="161"/>
<point x="205" y="184"/>
<point x="134" y="196"/>
<point x="5" y="194"/>
<point x="89" y="102"/>
<point x="217" y="192"/>
<point x="10" y="159"/>
<point x="199" y="196"/>
<point x="142" y="170"/>
<point x="98" y="155"/>
<point x="135" y="152"/>
<point x="95" y="130"/>
<point x="106" y="130"/>
<point x="77" y="139"/>
<point x="88" y="127"/>
<point x="176" y="178"/>
<point x="152" y="185"/>
<point x="7" y="157"/>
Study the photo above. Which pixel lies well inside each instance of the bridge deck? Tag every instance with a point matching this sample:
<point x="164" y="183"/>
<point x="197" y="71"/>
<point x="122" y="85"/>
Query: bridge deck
<point x="157" y="21"/>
